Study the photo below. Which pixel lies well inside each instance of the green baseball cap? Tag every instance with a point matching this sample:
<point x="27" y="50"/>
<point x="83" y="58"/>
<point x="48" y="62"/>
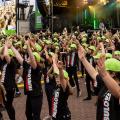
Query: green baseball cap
<point x="73" y="46"/>
<point x="48" y="42"/>
<point x="117" y="52"/>
<point x="84" y="39"/>
<point x="97" y="56"/>
<point x="56" y="44"/>
<point x="112" y="64"/>
<point x="38" y="47"/>
<point x="99" y="39"/>
<point x="51" y="53"/>
<point x="65" y="74"/>
<point x="92" y="48"/>
<point x="108" y="55"/>
<point x="10" y="52"/>
<point x="85" y="45"/>
<point x="37" y="56"/>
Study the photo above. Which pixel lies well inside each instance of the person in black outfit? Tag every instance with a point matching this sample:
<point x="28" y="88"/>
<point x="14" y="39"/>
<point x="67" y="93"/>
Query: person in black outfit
<point x="49" y="80"/>
<point x="108" y="106"/>
<point x="32" y="85"/>
<point x="72" y="63"/>
<point x="8" y="79"/>
<point x="60" y="109"/>
<point x="88" y="78"/>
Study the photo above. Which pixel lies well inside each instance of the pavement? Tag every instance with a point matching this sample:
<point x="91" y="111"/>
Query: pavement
<point x="81" y="110"/>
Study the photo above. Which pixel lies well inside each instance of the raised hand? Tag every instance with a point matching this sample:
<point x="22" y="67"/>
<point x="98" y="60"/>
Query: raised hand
<point x="27" y="42"/>
<point x="60" y="65"/>
<point x="81" y="52"/>
<point x="101" y="66"/>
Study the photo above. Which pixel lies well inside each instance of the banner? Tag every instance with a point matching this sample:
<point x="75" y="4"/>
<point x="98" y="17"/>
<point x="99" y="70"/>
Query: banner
<point x="38" y="21"/>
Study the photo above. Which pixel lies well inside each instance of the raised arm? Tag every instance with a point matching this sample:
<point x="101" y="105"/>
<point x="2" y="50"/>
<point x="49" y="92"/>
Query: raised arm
<point x="17" y="55"/>
<point x="90" y="69"/>
<point x="33" y="62"/>
<point x="110" y="83"/>
<point x="63" y="81"/>
<point x="6" y="54"/>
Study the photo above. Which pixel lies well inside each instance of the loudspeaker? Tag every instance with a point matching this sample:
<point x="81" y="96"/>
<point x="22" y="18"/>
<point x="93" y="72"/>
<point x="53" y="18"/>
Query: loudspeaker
<point x="42" y="7"/>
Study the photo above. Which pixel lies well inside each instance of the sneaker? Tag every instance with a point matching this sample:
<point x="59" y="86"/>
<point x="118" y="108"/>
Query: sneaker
<point x="87" y="98"/>
<point x="79" y="93"/>
<point x="17" y="94"/>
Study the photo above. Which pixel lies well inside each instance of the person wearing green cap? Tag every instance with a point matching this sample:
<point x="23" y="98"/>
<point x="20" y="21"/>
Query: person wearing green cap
<point x="8" y="68"/>
<point x="32" y="86"/>
<point x="107" y="85"/>
<point x="88" y="79"/>
<point x="71" y="64"/>
<point x="60" y="109"/>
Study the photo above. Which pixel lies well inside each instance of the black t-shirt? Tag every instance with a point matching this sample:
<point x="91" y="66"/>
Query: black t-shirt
<point x="8" y="73"/>
<point x="59" y="103"/>
<point x="32" y="80"/>
<point x="108" y="107"/>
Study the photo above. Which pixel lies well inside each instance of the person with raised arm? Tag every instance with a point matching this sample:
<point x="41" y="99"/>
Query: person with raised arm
<point x="32" y="85"/>
<point x="60" y="109"/>
<point x="108" y="107"/>
<point x="8" y="70"/>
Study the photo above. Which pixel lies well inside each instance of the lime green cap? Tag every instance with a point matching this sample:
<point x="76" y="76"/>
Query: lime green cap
<point x="10" y="52"/>
<point x="73" y="46"/>
<point x="117" y="52"/>
<point x="99" y="38"/>
<point x="56" y="44"/>
<point x="25" y="47"/>
<point x="55" y="34"/>
<point x="38" y="47"/>
<point x="108" y="55"/>
<point x="112" y="64"/>
<point x="37" y="56"/>
<point x="65" y="74"/>
<point x="57" y="47"/>
<point x="48" y="42"/>
<point x="55" y="39"/>
<point x="103" y="37"/>
<point x="92" y="48"/>
<point x="51" y="53"/>
<point x="85" y="45"/>
<point x="18" y="43"/>
<point x="97" y="56"/>
<point x="84" y="39"/>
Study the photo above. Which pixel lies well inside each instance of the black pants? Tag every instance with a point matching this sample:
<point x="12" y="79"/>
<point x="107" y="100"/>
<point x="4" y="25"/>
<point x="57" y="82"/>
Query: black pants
<point x="16" y="88"/>
<point x="49" y="88"/>
<point x="8" y="103"/>
<point x="33" y="107"/>
<point x="88" y="85"/>
<point x="82" y="69"/>
<point x="72" y="72"/>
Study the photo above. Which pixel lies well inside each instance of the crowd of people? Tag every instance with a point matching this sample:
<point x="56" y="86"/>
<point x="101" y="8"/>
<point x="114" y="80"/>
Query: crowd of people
<point x="57" y="58"/>
<point x="7" y="17"/>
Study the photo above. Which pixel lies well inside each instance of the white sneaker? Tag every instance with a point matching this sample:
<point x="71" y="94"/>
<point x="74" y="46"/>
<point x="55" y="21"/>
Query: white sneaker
<point x="19" y="80"/>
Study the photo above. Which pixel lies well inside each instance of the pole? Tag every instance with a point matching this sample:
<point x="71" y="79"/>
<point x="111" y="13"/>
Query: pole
<point x="52" y="17"/>
<point x="17" y="17"/>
